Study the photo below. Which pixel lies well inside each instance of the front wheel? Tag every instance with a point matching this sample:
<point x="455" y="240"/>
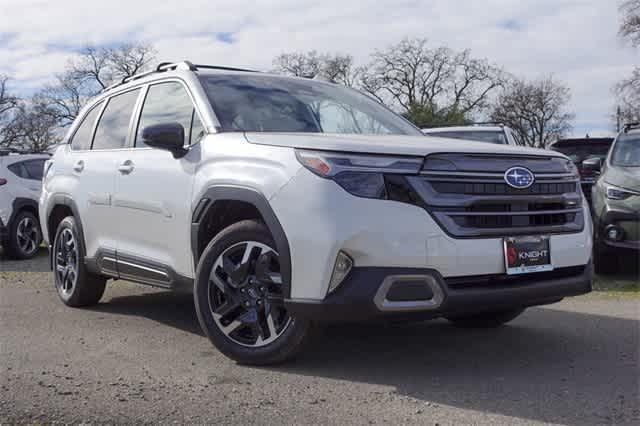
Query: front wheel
<point x="239" y="297"/>
<point x="486" y="319"/>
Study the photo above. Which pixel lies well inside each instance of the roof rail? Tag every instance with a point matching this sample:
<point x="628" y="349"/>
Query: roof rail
<point x="479" y="123"/>
<point x="488" y="123"/>
<point x="629" y="126"/>
<point x="170" y="66"/>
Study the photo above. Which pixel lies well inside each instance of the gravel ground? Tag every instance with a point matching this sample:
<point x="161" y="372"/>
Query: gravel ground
<point x="139" y="356"/>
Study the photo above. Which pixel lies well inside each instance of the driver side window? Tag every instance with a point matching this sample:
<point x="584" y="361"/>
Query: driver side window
<point x="169" y="103"/>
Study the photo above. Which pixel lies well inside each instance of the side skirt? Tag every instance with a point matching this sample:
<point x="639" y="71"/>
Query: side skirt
<point x="133" y="268"/>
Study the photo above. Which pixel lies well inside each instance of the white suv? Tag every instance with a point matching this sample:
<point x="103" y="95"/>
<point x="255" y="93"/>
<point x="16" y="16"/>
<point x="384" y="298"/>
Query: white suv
<point x="20" y="183"/>
<point x="282" y="202"/>
<point x="482" y="132"/>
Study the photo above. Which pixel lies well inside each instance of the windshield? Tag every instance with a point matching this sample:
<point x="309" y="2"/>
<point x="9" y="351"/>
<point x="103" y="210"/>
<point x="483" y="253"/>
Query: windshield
<point x="583" y="152"/>
<point x="496" y="137"/>
<point x="626" y="151"/>
<point x="263" y="103"/>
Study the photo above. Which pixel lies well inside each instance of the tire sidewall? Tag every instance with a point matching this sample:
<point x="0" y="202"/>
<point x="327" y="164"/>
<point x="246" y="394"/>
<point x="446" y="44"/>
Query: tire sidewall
<point x="273" y="352"/>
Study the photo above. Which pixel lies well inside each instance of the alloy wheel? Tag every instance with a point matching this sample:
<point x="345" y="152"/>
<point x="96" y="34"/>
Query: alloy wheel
<point x="66" y="262"/>
<point x="245" y="294"/>
<point x="28" y="235"/>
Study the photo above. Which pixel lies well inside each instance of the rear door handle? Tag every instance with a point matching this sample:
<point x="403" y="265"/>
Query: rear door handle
<point x="126" y="167"/>
<point x="79" y="166"/>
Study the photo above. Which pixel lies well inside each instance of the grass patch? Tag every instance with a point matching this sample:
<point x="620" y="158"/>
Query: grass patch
<point x="618" y="284"/>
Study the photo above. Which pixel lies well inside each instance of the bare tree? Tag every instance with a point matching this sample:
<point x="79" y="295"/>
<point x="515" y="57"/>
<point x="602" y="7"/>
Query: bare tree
<point x="431" y="84"/>
<point x="336" y="68"/>
<point x="630" y="25"/>
<point x="536" y="110"/>
<point x="8" y="104"/>
<point x="628" y="90"/>
<point x="33" y="129"/>
<point x="88" y="74"/>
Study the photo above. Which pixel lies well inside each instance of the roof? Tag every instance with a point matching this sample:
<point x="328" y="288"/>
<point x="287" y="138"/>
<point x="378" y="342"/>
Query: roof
<point x="15" y="157"/>
<point x="174" y="66"/>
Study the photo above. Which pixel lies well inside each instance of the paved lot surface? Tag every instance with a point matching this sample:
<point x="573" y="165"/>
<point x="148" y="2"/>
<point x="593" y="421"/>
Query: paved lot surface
<point x="140" y="356"/>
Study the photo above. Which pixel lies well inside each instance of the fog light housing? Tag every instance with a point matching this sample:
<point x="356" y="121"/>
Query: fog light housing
<point x="340" y="270"/>
<point x="613" y="233"/>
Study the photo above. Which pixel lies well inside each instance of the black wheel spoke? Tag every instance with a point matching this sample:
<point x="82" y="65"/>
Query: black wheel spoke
<point x="264" y="273"/>
<point x="237" y="273"/>
<point x="227" y="307"/>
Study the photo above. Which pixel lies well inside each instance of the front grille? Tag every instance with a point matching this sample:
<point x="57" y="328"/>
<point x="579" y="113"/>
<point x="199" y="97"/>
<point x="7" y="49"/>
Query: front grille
<point x="477" y="202"/>
<point x="448" y="187"/>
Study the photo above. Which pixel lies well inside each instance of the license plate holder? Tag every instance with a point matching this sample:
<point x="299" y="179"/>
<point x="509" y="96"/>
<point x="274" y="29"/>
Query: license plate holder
<point x="528" y="254"/>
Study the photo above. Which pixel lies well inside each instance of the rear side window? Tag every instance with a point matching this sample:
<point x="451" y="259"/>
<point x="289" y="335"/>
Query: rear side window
<point x="82" y="138"/>
<point x="166" y="103"/>
<point x="35" y="169"/>
<point x="113" y="126"/>
<point x="19" y="170"/>
<point x="30" y="169"/>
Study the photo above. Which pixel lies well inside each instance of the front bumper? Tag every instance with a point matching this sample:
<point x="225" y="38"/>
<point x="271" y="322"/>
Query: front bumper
<point x="381" y="233"/>
<point x="359" y="298"/>
<point x="619" y="218"/>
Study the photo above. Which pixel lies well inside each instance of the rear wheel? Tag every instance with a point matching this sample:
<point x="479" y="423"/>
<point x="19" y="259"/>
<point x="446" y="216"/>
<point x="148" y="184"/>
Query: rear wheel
<point x="75" y="285"/>
<point x="486" y="319"/>
<point x="25" y="236"/>
<point x="240" y="301"/>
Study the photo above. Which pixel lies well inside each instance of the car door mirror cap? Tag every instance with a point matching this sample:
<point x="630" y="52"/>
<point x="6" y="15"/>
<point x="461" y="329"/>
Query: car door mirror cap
<point x="592" y="164"/>
<point x="167" y="136"/>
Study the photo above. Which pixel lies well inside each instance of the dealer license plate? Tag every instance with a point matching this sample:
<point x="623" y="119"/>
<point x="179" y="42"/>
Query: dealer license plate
<point x="523" y="255"/>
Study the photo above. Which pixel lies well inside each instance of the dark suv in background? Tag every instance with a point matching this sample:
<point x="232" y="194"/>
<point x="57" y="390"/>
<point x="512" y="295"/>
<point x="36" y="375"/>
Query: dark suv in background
<point x="616" y="200"/>
<point x="580" y="149"/>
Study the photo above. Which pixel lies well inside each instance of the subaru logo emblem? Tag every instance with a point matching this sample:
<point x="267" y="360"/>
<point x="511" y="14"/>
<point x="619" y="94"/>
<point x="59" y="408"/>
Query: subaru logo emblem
<point x="519" y="177"/>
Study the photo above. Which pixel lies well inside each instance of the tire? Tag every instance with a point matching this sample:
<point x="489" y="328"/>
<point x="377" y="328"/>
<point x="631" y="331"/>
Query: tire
<point x="75" y="285"/>
<point x="244" y="295"/>
<point x="486" y="319"/>
<point x="25" y="236"/>
<point x="604" y="261"/>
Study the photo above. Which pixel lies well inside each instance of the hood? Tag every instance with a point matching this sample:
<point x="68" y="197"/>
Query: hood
<point x="624" y="177"/>
<point x="389" y="144"/>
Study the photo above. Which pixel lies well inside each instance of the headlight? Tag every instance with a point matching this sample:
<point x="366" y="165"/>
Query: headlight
<point x="617" y="193"/>
<point x="359" y="174"/>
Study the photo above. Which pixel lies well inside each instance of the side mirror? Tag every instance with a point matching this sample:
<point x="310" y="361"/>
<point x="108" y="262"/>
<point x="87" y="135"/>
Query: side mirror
<point x="167" y="136"/>
<point x="592" y="165"/>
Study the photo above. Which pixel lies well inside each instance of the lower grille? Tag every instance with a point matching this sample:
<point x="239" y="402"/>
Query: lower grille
<point x="503" y="280"/>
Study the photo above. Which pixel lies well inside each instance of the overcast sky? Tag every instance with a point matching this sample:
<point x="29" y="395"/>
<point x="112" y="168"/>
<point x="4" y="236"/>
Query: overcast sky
<point x="575" y="40"/>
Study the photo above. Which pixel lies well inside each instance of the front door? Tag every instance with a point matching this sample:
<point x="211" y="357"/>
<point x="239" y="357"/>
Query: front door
<point x="153" y="193"/>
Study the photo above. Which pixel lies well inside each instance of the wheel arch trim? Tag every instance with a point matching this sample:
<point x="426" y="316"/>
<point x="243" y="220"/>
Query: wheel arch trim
<point x="68" y="201"/>
<point x="19" y="203"/>
<point x="259" y="201"/>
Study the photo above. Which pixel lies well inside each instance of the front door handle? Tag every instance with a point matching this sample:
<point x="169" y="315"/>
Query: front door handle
<point x="126" y="167"/>
<point x="78" y="166"/>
